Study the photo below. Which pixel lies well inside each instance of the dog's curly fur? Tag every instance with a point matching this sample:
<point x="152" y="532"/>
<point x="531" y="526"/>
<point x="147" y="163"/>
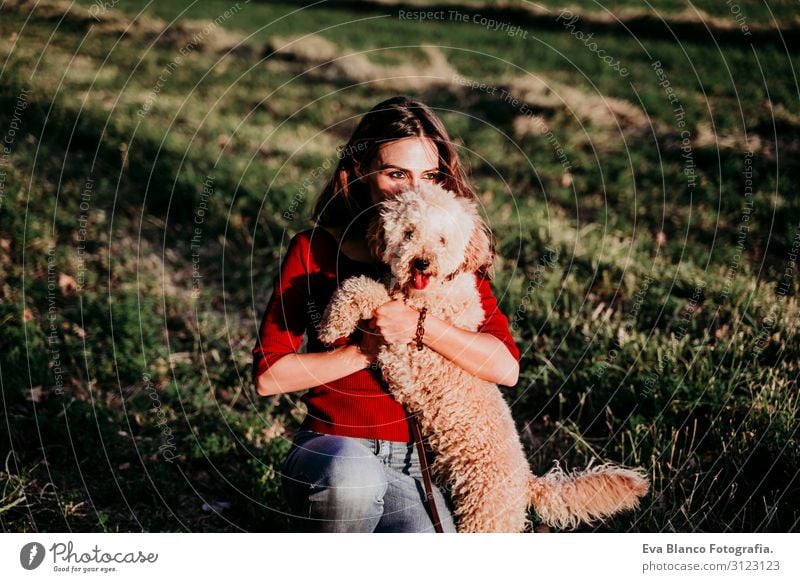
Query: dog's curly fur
<point x="465" y="419"/>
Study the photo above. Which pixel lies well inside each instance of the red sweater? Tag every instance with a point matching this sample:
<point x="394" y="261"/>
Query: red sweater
<point x="359" y="405"/>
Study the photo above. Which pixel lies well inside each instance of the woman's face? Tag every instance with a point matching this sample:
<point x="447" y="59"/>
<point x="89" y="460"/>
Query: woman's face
<point x="400" y="165"/>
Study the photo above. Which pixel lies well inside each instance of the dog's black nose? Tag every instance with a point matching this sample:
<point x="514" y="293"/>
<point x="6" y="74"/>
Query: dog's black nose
<point x="421" y="264"/>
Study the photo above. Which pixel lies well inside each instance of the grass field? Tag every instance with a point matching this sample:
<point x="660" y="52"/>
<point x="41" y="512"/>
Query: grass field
<point x="648" y="227"/>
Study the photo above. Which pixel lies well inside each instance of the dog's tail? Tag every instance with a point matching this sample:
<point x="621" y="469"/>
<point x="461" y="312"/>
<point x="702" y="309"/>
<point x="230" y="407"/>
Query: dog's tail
<point x="565" y="500"/>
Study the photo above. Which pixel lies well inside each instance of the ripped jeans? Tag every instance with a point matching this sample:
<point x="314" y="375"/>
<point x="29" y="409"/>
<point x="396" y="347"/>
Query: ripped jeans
<point x="345" y="484"/>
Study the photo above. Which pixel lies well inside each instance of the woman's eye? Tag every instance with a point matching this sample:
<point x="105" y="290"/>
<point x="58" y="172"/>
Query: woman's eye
<point x="408" y="234"/>
<point x="433" y="176"/>
<point x="397" y="175"/>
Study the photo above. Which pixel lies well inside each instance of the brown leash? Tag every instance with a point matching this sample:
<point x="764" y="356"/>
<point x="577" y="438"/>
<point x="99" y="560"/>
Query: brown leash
<point x="426" y="477"/>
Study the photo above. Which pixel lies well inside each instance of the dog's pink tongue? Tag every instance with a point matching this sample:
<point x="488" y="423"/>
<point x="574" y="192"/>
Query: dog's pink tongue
<point x="420" y="280"/>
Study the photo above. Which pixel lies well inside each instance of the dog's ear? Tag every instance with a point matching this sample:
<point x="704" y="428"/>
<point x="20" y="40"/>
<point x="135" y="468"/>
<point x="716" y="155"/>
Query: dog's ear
<point x="479" y="254"/>
<point x="375" y="237"/>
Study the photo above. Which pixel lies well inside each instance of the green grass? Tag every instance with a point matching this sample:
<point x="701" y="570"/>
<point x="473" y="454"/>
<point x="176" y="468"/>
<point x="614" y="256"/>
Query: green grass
<point x="623" y="358"/>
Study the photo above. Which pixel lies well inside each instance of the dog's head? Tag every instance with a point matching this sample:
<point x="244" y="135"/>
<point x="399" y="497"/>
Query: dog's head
<point x="429" y="235"/>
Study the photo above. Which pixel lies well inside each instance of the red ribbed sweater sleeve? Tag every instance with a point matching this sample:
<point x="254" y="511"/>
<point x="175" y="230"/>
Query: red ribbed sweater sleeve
<point x="496" y="323"/>
<point x="358" y="405"/>
<point x="284" y="324"/>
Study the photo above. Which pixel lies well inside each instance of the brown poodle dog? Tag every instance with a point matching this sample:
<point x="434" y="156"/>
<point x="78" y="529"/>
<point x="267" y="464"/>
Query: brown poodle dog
<point x="434" y="242"/>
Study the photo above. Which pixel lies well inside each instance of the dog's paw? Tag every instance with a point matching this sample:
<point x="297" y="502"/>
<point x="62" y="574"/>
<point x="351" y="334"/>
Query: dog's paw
<point x="329" y="335"/>
<point x="355" y="300"/>
<point x="358" y="298"/>
<point x="337" y="321"/>
<point x="366" y="294"/>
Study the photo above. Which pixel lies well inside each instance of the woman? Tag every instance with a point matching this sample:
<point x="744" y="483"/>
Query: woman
<point x="353" y="466"/>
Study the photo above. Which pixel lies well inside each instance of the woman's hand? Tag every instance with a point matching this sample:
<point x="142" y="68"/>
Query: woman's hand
<point x="396" y="322"/>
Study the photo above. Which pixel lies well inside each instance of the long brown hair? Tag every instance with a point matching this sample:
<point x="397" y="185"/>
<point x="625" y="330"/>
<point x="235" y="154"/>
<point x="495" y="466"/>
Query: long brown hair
<point x="345" y="199"/>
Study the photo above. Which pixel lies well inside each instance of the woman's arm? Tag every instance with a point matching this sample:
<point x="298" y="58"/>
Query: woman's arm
<point x="277" y="365"/>
<point x="481" y="354"/>
<point x="300" y="371"/>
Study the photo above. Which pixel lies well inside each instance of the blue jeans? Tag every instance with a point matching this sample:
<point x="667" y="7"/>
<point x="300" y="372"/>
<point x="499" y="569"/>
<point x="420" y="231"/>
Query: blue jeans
<point x="345" y="484"/>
